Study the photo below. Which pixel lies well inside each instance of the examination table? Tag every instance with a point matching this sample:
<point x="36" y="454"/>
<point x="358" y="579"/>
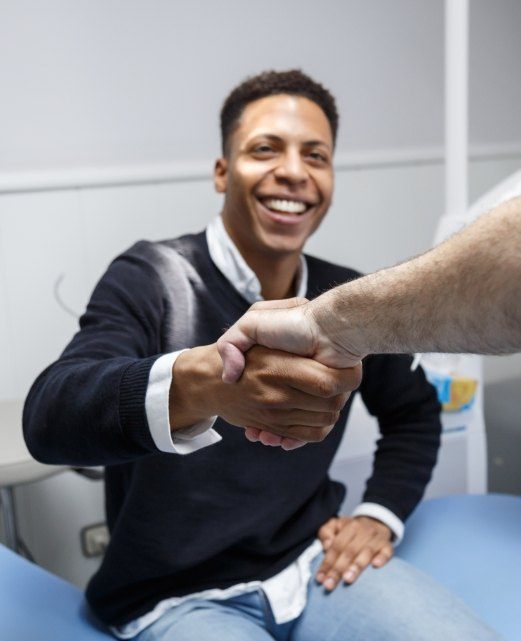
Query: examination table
<point x="471" y="544"/>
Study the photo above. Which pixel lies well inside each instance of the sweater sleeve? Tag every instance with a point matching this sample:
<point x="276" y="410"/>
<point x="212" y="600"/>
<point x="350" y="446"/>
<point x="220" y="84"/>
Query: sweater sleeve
<point x="88" y="407"/>
<point x="408" y="414"/>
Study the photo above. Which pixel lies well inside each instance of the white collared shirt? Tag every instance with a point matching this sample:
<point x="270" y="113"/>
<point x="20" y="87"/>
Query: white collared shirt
<point x="286" y="591"/>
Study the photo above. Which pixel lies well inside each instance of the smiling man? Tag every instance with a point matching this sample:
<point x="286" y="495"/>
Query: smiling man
<point x="234" y="540"/>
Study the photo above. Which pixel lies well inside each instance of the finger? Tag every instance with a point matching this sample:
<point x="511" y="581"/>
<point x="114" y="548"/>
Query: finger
<point x="332" y="579"/>
<point x="252" y="434"/>
<point x="340" y="543"/>
<point x="279" y="419"/>
<point x="327" y="532"/>
<point x="305" y="433"/>
<point x="296" y="399"/>
<point x="285" y="303"/>
<point x="232" y="345"/>
<point x="268" y="438"/>
<point x="383" y="556"/>
<point x="232" y="358"/>
<point x="289" y="444"/>
<point x="324" y="381"/>
<point x="355" y="557"/>
<point x="351" y="573"/>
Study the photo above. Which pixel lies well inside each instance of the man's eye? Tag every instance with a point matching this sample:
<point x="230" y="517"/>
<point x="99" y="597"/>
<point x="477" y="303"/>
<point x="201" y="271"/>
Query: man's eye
<point x="315" y="155"/>
<point x="263" y="149"/>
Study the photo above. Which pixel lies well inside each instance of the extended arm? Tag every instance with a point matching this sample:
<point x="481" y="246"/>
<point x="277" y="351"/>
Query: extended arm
<point x="462" y="296"/>
<point x="91" y="407"/>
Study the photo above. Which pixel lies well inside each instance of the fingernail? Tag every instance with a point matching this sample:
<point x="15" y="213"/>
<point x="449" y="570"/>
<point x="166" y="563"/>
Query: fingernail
<point x="320" y="577"/>
<point x="329" y="583"/>
<point x="326" y="544"/>
<point x="349" y="577"/>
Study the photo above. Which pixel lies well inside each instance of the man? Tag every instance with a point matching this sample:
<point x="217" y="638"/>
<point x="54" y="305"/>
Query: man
<point x="462" y="296"/>
<point x="221" y="543"/>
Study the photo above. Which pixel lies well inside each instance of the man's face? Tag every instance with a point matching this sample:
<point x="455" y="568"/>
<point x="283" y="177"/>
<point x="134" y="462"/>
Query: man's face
<point x="277" y="176"/>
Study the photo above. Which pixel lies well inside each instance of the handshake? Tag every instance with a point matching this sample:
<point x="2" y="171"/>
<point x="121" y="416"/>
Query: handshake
<point x="302" y="381"/>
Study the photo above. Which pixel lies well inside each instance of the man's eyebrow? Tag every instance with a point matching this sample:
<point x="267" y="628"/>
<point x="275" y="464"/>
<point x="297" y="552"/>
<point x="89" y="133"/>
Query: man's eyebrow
<point x="279" y="139"/>
<point x="315" y="143"/>
<point x="271" y="137"/>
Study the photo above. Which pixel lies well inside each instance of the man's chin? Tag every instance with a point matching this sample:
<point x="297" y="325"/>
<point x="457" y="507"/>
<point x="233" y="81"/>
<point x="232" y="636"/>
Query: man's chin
<point x="283" y="246"/>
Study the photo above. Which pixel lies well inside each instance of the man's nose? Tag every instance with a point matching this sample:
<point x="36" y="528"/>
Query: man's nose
<point x="291" y="168"/>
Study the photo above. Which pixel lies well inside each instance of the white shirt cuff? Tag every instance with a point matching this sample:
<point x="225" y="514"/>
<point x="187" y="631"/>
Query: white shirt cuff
<point x="184" y="441"/>
<point x="381" y="513"/>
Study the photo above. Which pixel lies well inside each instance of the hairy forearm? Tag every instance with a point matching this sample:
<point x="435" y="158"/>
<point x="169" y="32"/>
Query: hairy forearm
<point x="463" y="296"/>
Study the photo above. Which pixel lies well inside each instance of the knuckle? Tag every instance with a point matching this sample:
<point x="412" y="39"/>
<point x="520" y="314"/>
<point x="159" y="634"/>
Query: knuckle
<point x="325" y="386"/>
<point x="350" y="552"/>
<point x="270" y="400"/>
<point x="312" y="436"/>
<point x="300" y="432"/>
<point x="321" y="433"/>
<point x="329" y="418"/>
<point x="336" y="403"/>
<point x="357" y="374"/>
<point x="337" y="548"/>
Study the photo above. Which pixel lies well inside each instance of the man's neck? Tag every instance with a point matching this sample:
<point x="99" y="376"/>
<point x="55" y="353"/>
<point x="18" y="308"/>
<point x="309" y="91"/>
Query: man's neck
<point x="277" y="272"/>
<point x="277" y="275"/>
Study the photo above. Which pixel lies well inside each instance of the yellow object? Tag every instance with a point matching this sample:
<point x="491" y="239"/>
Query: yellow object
<point x="462" y="392"/>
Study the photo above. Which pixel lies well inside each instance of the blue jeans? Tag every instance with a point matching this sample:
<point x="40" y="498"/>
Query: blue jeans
<point x="394" y="603"/>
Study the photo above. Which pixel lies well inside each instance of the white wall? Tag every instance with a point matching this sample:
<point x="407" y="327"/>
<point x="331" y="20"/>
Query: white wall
<point x="126" y="81"/>
<point x="92" y="82"/>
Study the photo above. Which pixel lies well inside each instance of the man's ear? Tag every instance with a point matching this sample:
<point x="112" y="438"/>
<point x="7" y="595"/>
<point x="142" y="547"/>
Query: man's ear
<point x="220" y="175"/>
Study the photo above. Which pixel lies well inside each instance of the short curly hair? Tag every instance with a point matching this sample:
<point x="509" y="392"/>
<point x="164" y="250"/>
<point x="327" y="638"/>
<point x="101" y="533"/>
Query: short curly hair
<point x="271" y="83"/>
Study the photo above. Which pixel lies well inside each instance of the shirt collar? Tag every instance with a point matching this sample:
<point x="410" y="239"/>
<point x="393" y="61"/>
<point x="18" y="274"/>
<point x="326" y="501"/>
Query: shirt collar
<point x="228" y="259"/>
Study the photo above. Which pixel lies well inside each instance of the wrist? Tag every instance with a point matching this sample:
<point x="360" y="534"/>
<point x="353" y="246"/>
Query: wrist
<point x="195" y="375"/>
<point x="338" y="324"/>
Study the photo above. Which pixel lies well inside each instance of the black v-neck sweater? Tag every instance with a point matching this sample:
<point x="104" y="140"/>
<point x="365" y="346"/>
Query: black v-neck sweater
<point x="228" y="513"/>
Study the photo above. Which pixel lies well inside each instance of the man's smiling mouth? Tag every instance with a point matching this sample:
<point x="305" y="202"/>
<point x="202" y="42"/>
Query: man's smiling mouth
<point x="285" y="206"/>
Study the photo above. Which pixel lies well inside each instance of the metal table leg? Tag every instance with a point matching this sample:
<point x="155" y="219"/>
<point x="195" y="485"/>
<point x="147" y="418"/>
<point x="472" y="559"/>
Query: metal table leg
<point x="9" y="518"/>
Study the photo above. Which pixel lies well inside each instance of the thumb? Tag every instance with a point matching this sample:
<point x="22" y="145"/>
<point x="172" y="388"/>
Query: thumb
<point x="284" y="303"/>
<point x="232" y="345"/>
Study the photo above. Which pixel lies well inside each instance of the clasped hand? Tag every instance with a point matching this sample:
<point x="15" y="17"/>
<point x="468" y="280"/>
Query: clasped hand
<point x="285" y="397"/>
<point x="284" y="325"/>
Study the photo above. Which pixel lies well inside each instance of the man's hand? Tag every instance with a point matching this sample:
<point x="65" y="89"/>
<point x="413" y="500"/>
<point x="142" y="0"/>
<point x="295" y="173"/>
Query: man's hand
<point x="286" y="325"/>
<point x="284" y="395"/>
<point x="351" y="544"/>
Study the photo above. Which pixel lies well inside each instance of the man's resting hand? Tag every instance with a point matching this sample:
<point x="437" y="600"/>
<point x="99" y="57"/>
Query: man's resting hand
<point x="350" y="545"/>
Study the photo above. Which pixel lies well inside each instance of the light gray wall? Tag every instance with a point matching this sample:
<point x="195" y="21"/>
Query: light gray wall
<point x="127" y="81"/>
<point x="495" y="71"/>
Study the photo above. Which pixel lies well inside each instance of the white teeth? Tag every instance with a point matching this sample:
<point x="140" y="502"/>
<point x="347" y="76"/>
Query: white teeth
<point x="286" y="206"/>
